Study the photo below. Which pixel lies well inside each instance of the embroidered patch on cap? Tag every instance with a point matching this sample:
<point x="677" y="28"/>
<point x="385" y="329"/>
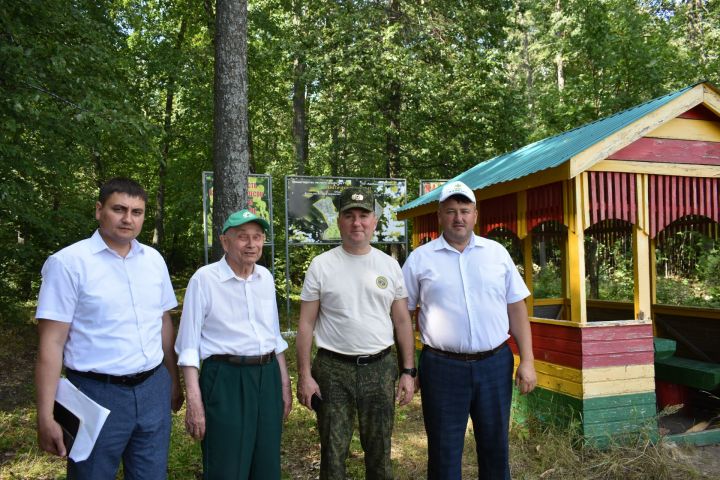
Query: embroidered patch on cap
<point x="381" y="282"/>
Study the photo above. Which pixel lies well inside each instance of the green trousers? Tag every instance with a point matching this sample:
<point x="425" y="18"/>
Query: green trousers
<point x="243" y="420"/>
<point x="349" y="389"/>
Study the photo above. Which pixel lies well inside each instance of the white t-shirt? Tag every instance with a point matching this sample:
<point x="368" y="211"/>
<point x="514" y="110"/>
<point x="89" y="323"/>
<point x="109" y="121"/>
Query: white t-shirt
<point x="463" y="297"/>
<point x="356" y="293"/>
<point x="114" y="305"/>
<point x="226" y="314"/>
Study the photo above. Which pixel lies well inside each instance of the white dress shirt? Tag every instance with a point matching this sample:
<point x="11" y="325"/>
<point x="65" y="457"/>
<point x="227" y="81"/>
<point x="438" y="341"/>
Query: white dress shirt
<point x="225" y="314"/>
<point x="463" y="296"/>
<point x="114" y="305"/>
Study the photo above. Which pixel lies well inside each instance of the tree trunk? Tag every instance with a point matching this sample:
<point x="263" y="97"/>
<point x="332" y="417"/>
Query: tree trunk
<point x="230" y="135"/>
<point x="558" y="57"/>
<point x="299" y="128"/>
<point x="393" y="104"/>
<point x="159" y="233"/>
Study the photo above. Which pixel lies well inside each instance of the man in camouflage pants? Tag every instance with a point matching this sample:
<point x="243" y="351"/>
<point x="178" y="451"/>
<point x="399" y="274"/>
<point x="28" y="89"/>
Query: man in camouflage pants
<point x="348" y="297"/>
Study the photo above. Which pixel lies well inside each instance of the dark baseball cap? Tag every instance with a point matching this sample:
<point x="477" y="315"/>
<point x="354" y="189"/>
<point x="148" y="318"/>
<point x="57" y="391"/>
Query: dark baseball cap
<point x="355" y="197"/>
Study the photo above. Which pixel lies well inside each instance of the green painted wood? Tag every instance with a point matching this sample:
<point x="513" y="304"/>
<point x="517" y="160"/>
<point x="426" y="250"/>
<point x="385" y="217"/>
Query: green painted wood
<point x="618" y="401"/>
<point x="699" y="439"/>
<point x="692" y="373"/>
<point x="664" y="347"/>
<point x="634" y="414"/>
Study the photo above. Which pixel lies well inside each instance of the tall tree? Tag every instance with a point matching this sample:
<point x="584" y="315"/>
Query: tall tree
<point x="230" y="119"/>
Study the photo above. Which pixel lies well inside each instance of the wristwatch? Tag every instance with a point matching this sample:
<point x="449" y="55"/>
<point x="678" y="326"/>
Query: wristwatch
<point x="409" y="371"/>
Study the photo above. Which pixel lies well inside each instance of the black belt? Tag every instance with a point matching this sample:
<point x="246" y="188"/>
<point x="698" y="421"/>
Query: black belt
<point x="356" y="359"/>
<point x="127" y="380"/>
<point x="263" y="359"/>
<point x="466" y="357"/>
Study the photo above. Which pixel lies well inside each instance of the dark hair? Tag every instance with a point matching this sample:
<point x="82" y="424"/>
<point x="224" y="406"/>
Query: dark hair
<point x="121" y="185"/>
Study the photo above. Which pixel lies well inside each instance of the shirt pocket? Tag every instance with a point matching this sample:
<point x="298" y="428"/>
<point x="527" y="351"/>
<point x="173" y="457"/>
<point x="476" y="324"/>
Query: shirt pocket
<point x="492" y="279"/>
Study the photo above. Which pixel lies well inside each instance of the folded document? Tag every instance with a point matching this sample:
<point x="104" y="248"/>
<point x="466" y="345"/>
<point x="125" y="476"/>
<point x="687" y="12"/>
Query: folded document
<point x="80" y="417"/>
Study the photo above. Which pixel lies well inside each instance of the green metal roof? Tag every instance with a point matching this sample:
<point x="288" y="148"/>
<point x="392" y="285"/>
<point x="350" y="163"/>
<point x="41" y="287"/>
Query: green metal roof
<point x="549" y="152"/>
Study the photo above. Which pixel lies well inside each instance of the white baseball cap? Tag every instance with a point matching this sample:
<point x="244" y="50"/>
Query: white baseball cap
<point x="456" y="188"/>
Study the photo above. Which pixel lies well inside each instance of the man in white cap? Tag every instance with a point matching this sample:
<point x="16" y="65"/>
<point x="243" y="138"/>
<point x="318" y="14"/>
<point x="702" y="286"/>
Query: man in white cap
<point x="230" y="323"/>
<point x="470" y="294"/>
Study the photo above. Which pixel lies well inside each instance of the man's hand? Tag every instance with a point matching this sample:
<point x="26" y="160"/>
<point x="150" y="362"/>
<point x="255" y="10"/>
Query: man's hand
<point x="525" y="377"/>
<point x="195" y="417"/>
<point x="50" y="437"/>
<point x="177" y="398"/>
<point x="405" y="390"/>
<point x="287" y="400"/>
<point x="307" y="386"/>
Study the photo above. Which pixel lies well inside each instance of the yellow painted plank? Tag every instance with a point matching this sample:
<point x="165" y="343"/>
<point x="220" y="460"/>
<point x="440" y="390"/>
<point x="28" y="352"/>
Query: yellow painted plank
<point x="602" y="149"/>
<point x="688" y="129"/>
<point x="653" y="275"/>
<point x="623" y="372"/>
<point x="618" y="387"/>
<point x="528" y="272"/>
<point x="711" y="99"/>
<point x="586" y="200"/>
<point x="642" y="294"/>
<point x="576" y="254"/>
<point x="682" y="170"/>
<point x="522" y="214"/>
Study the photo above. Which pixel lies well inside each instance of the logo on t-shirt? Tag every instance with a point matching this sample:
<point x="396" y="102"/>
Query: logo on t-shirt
<point x="381" y="282"/>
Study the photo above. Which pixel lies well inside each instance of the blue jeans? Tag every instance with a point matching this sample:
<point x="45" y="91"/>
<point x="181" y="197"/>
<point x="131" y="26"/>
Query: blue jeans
<point x="136" y="431"/>
<point x="451" y="391"/>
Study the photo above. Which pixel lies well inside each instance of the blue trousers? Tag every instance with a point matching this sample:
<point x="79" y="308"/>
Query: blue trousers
<point x="136" y="431"/>
<point x="451" y="391"/>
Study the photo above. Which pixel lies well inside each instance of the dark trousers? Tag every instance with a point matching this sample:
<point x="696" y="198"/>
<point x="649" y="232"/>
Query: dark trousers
<point x="348" y="389"/>
<point x="137" y="429"/>
<point x="451" y="391"/>
<point x="243" y="420"/>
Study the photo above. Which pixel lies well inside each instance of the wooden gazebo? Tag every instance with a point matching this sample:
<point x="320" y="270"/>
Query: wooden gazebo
<point x="648" y="170"/>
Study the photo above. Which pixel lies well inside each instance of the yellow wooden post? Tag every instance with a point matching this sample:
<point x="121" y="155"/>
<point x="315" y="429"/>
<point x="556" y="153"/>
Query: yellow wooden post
<point x="574" y="199"/>
<point x="641" y="252"/>
<point x="653" y="279"/>
<point x="526" y="239"/>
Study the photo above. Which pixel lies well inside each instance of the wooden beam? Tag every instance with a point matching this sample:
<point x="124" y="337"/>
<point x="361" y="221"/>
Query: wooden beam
<point x="653" y="277"/>
<point x="640" y="128"/>
<point x="711" y="99"/>
<point x="528" y="272"/>
<point x="678" y="170"/>
<point x="642" y="295"/>
<point x="687" y="129"/>
<point x="575" y="258"/>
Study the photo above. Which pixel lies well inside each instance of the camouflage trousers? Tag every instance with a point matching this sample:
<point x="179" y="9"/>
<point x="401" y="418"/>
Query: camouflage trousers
<point x="347" y="389"/>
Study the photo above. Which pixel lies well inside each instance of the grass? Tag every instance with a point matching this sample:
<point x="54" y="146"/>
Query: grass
<point x="536" y="452"/>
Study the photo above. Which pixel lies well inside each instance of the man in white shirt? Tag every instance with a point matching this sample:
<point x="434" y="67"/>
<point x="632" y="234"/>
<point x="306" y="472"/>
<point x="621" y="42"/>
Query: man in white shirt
<point x="469" y="294"/>
<point x="348" y="297"/>
<point x="103" y="311"/>
<point x="230" y="322"/>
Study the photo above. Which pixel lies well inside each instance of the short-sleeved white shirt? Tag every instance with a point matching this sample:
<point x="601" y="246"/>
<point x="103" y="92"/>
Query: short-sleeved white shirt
<point x="114" y="305"/>
<point x="356" y="293"/>
<point x="226" y="314"/>
<point x="463" y="296"/>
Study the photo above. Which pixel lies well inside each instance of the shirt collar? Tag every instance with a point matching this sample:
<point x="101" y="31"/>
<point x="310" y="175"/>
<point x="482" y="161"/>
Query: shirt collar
<point x="97" y="245"/>
<point x="442" y="244"/>
<point x="226" y="273"/>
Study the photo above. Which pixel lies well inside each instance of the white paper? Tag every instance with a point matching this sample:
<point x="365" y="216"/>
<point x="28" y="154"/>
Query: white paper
<point x="92" y="417"/>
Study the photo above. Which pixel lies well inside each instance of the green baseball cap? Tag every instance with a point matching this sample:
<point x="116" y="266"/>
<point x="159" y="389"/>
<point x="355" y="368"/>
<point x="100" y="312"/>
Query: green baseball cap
<point x="355" y="197"/>
<point x="242" y="217"/>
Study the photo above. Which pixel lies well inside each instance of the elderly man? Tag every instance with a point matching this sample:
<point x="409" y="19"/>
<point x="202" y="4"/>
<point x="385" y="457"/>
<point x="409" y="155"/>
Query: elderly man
<point x="230" y="322"/>
<point x="103" y="308"/>
<point x="348" y="297"/>
<point x="469" y="294"/>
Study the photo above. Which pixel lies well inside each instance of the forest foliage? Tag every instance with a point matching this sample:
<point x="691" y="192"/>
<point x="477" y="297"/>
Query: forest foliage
<point x="374" y="88"/>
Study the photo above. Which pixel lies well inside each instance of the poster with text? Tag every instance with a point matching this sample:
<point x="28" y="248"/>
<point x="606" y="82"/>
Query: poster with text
<point x="312" y="215"/>
<point x="427" y="186"/>
<point x="259" y="201"/>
